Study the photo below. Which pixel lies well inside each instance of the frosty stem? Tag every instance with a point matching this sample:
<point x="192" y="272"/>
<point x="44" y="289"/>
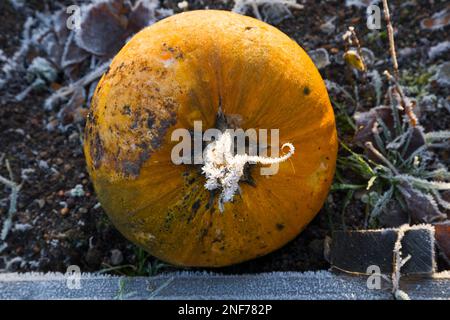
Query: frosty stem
<point x="223" y="169"/>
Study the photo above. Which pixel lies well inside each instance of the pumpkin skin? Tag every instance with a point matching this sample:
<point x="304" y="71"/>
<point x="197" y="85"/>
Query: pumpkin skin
<point x="178" y="71"/>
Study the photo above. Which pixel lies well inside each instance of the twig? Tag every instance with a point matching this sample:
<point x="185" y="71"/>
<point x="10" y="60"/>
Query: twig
<point x="70" y="89"/>
<point x="8" y="167"/>
<point x="378" y="154"/>
<point x="399" y="262"/>
<point x="407" y="106"/>
<point x="12" y="200"/>
<point x="390" y="31"/>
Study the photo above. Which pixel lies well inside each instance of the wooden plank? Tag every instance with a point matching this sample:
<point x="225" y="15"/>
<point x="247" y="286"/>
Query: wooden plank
<point x="355" y="251"/>
<point x="279" y="285"/>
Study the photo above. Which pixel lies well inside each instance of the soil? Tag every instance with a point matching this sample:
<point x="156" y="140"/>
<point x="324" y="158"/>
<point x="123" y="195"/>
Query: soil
<point x="53" y="229"/>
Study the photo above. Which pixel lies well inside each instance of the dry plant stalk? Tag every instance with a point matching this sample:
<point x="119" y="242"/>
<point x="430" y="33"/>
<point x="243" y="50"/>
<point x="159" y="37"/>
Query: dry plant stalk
<point x="14" y="187"/>
<point x="406" y="105"/>
<point x="358" y="47"/>
<point x="390" y="31"/>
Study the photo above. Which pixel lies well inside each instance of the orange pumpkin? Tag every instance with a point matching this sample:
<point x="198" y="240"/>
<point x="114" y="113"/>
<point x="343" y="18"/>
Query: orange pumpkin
<point x="180" y="70"/>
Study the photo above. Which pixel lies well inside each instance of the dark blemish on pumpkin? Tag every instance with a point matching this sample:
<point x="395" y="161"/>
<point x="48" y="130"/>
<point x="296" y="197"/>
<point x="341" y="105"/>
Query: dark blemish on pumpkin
<point x="195" y="206"/>
<point x="131" y="168"/>
<point x="107" y="71"/>
<point x="126" y="110"/>
<point x="96" y="150"/>
<point x="162" y="130"/>
<point x="168" y="220"/>
<point x="191" y="180"/>
<point x="203" y="233"/>
<point x="306" y="91"/>
<point x="142" y="145"/>
<point x="210" y="204"/>
<point x="143" y="156"/>
<point x="150" y="121"/>
<point x="248" y="28"/>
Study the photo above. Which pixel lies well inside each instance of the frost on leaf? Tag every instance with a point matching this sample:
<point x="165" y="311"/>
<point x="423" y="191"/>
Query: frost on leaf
<point x="320" y="57"/>
<point x="438" y="50"/>
<point x="443" y="75"/>
<point x="267" y="10"/>
<point x="106" y="25"/>
<point x="104" y="28"/>
<point x="438" y="21"/>
<point x="421" y="206"/>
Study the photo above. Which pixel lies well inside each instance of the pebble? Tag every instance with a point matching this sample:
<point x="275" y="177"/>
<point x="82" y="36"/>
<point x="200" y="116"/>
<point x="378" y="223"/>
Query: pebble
<point x="41" y="203"/>
<point x="43" y="164"/>
<point x="64" y="211"/>
<point x="116" y="257"/>
<point x="77" y="191"/>
<point x="83" y="210"/>
<point x="74" y="137"/>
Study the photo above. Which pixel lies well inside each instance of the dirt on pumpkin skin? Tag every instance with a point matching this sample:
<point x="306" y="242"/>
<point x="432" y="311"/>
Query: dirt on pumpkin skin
<point x="53" y="229"/>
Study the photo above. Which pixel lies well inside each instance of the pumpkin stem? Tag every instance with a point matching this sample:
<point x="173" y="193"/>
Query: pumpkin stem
<point x="223" y="169"/>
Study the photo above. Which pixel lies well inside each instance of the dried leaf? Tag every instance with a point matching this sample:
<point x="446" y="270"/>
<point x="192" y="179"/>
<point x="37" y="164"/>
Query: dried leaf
<point x="422" y="207"/>
<point x="143" y="14"/>
<point x="366" y="123"/>
<point x="103" y="29"/>
<point x="439" y="20"/>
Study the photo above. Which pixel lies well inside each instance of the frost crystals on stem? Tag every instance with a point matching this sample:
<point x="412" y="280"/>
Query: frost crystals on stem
<point x="223" y="169"/>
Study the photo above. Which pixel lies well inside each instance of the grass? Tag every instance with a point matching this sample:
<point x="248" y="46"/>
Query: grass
<point x="144" y="266"/>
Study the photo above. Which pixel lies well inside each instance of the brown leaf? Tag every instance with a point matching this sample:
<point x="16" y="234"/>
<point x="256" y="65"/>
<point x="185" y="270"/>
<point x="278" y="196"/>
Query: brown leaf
<point x="439" y="20"/>
<point x="142" y="15"/>
<point x="103" y="30"/>
<point x="422" y="208"/>
<point x="366" y="123"/>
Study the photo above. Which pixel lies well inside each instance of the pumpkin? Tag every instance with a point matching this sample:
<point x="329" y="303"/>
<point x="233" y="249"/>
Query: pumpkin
<point x="191" y="67"/>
